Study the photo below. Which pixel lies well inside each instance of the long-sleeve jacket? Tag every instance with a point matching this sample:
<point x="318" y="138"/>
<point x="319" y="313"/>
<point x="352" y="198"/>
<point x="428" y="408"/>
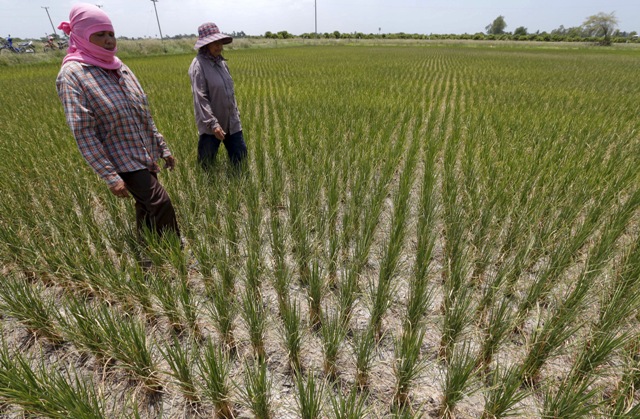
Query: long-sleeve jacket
<point x="214" y="99"/>
<point x="109" y="116"/>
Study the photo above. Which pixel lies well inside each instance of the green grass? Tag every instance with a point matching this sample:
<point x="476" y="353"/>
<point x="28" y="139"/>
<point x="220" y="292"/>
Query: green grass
<point x="420" y="228"/>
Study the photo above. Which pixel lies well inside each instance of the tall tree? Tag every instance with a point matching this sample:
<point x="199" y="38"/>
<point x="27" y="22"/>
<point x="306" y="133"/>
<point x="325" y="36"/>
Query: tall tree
<point x="602" y="24"/>
<point x="520" y="30"/>
<point x="497" y="26"/>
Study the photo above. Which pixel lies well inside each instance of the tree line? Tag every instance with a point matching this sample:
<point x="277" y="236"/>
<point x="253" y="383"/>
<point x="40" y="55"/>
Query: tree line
<point x="600" y="28"/>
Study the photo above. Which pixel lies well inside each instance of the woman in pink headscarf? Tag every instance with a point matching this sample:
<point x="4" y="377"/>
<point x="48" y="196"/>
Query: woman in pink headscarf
<point x="109" y="116"/>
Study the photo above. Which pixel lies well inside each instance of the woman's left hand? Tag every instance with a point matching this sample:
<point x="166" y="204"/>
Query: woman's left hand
<point x="170" y="162"/>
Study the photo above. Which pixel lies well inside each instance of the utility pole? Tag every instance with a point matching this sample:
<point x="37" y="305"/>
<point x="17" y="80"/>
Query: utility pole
<point x="316" y="14"/>
<point x="158" y="19"/>
<point x="50" y="21"/>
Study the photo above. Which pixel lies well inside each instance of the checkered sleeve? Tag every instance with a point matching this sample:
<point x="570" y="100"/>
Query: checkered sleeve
<point x="81" y="120"/>
<point x="157" y="136"/>
<point x="162" y="145"/>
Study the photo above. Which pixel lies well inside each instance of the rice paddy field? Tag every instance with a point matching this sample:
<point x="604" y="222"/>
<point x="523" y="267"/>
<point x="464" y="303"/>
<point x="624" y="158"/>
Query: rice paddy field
<point x="420" y="231"/>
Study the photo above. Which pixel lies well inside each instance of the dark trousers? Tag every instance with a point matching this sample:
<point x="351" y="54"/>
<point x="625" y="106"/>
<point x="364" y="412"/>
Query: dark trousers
<point x="153" y="206"/>
<point x="208" y="146"/>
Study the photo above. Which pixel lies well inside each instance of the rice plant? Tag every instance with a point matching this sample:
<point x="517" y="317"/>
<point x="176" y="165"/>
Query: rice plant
<point x="420" y="293"/>
<point x="347" y="293"/>
<point x="254" y="265"/>
<point x="26" y="303"/>
<point x="257" y="390"/>
<point x="190" y="309"/>
<point x="405" y="412"/>
<point x="292" y="334"/>
<point x="457" y="291"/>
<point x="381" y="293"/>
<point x="300" y="232"/>
<point x="456" y="317"/>
<point x="574" y="398"/>
<point x="621" y="402"/>
<point x="333" y="332"/>
<point x="205" y="253"/>
<point x="333" y="197"/>
<point x="180" y="359"/>
<point x="168" y="300"/>
<point x="409" y="363"/>
<point x="230" y="227"/>
<point x="500" y="324"/>
<point x="350" y="219"/>
<point x="78" y="326"/>
<point x="316" y="290"/>
<point x="618" y="305"/>
<point x="507" y="274"/>
<point x="503" y="393"/>
<point x="138" y="288"/>
<point x="223" y="311"/>
<point x="282" y="276"/>
<point x="560" y="326"/>
<point x="225" y="265"/>
<point x="547" y="339"/>
<point x="559" y="260"/>
<point x="364" y="348"/>
<point x="46" y="391"/>
<point x="213" y="368"/>
<point x="371" y="216"/>
<point x="460" y="380"/>
<point x="310" y="396"/>
<point x="254" y="314"/>
<point x="127" y="342"/>
<point x="352" y="405"/>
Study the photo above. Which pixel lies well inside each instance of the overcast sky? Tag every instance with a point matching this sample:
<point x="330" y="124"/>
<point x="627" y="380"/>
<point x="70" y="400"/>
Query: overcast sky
<point x="136" y="18"/>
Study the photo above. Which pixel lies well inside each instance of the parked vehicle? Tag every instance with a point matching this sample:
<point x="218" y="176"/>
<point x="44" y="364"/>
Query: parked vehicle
<point x="24" y="47"/>
<point x="27" y="47"/>
<point x="54" y="43"/>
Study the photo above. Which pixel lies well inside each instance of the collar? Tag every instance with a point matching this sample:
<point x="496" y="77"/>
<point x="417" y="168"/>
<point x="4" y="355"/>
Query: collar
<point x="215" y="59"/>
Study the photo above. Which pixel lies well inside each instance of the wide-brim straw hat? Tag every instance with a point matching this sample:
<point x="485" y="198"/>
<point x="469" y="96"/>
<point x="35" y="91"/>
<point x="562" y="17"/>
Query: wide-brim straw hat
<point x="208" y="33"/>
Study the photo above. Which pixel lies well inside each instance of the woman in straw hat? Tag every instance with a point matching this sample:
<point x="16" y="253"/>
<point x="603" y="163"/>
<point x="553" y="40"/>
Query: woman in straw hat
<point x="109" y="116"/>
<point x="214" y="101"/>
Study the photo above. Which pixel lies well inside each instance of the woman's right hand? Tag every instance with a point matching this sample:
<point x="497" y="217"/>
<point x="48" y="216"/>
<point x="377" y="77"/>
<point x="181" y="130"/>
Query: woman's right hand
<point x="119" y="189"/>
<point x="219" y="133"/>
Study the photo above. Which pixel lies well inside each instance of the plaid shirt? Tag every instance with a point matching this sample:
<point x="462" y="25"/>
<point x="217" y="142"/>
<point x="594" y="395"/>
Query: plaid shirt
<point x="109" y="116"/>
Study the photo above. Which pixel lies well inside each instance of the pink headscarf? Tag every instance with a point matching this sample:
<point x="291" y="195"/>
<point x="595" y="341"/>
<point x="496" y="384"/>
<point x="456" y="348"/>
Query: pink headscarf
<point x="85" y="20"/>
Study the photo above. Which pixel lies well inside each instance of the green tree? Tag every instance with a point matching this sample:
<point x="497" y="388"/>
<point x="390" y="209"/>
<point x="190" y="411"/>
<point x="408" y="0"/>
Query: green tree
<point x="497" y="26"/>
<point x="601" y="25"/>
<point x="520" y="30"/>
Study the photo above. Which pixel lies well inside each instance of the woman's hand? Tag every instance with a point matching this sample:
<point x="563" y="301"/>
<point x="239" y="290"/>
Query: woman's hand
<point x="119" y="190"/>
<point x="219" y="133"/>
<point x="170" y="162"/>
